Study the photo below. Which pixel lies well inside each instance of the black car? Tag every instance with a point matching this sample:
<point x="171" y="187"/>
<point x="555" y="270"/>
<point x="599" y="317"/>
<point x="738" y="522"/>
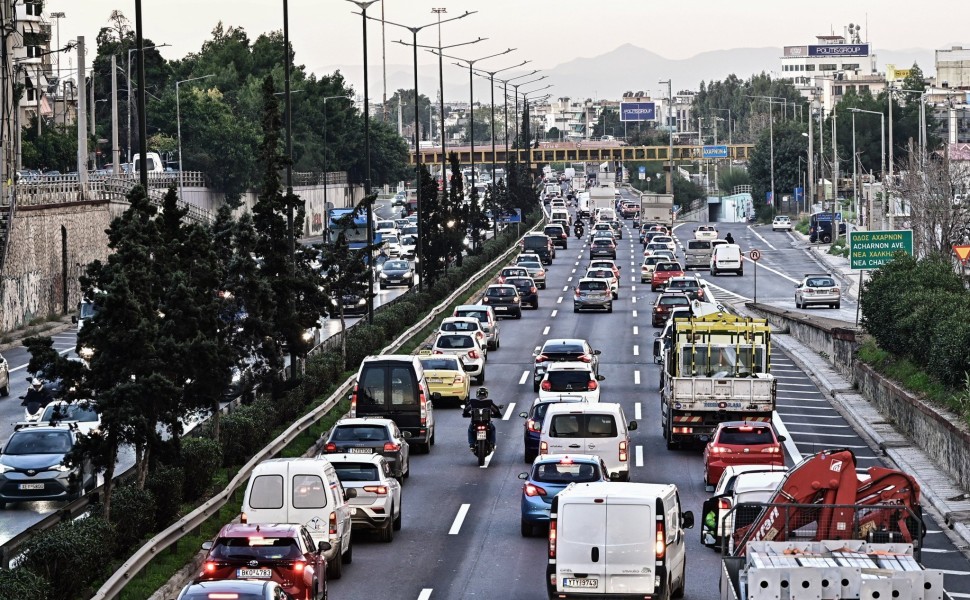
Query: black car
<point x="353" y="303"/>
<point x="557" y="233"/>
<point x="504" y="300"/>
<point x="368" y="435"/>
<point x="602" y="247"/>
<point x="563" y="350"/>
<point x="688" y="285"/>
<point x="528" y="292"/>
<point x="396" y="272"/>
<point x="539" y="244"/>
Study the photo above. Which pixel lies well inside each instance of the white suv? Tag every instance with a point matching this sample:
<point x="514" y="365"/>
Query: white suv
<point x="570" y="380"/>
<point x="781" y="223"/>
<point x="378" y="502"/>
<point x="466" y="347"/>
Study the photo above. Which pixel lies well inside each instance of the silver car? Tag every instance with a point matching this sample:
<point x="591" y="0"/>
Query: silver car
<point x="536" y="271"/>
<point x="817" y="289"/>
<point x="32" y="466"/>
<point x="486" y="316"/>
<point x="592" y="293"/>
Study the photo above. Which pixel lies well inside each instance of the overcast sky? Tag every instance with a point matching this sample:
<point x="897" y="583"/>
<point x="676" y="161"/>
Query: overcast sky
<point x="325" y="33"/>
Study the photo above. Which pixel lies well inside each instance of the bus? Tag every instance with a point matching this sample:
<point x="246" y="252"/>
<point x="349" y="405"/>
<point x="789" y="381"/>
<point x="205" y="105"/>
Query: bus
<point x="355" y="232"/>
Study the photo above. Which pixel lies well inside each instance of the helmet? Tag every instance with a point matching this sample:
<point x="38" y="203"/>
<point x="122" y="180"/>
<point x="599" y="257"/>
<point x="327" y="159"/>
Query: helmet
<point x="36" y="384"/>
<point x="482" y="393"/>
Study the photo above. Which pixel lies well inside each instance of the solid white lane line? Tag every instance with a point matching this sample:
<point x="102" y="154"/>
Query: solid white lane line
<point x="545" y="331"/>
<point x="790" y="444"/>
<point x="24" y="366"/>
<point x="636" y="350"/>
<point x="758" y="235"/>
<point x="554" y="313"/>
<point x="835" y="435"/>
<point x="784" y="414"/>
<point x="639" y="462"/>
<point x="559" y="300"/>
<point x="525" y="375"/>
<point x="829" y="425"/>
<point x="425" y="594"/>
<point x="508" y="411"/>
<point x="634" y="314"/>
<point x="776" y="272"/>
<point x="459" y="519"/>
<point x="636" y="330"/>
<point x="638" y="408"/>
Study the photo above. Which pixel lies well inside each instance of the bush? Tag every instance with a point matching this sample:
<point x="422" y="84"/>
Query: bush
<point x="167" y="485"/>
<point x="245" y="430"/>
<point x="71" y="555"/>
<point x="133" y="514"/>
<point x="362" y="341"/>
<point x="23" y="583"/>
<point x="200" y="459"/>
<point x="322" y="371"/>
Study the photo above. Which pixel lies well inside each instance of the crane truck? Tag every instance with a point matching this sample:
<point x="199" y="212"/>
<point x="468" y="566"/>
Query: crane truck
<point x="715" y="368"/>
<point x="828" y="533"/>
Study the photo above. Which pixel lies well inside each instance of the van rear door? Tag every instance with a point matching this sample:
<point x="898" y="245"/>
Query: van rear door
<point x="566" y="433"/>
<point x="581" y="546"/>
<point x="630" y="547"/>
<point x="601" y="437"/>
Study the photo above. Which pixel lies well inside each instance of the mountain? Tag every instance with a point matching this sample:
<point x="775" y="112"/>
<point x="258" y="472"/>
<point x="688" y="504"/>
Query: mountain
<point x="626" y="68"/>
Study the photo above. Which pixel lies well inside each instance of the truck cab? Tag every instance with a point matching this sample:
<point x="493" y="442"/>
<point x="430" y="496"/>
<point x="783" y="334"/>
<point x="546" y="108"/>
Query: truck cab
<point x="153" y="164"/>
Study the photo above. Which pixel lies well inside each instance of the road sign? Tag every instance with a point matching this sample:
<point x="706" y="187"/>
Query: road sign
<point x="638" y="111"/>
<point x="754" y="255"/>
<point x="827" y="216"/>
<point x="873" y="249"/>
<point x="715" y="152"/>
<point x="513" y="217"/>
<point x="799" y="194"/>
<point x="643" y="172"/>
<point x="963" y="252"/>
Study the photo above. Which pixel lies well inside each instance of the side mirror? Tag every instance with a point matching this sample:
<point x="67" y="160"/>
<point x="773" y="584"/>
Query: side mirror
<point x="207" y="545"/>
<point x="688" y="519"/>
<point x="632" y="426"/>
<point x="523" y="475"/>
<point x="74" y="319"/>
<point x="350" y="493"/>
<point x="597" y="352"/>
<point x="657" y="334"/>
<point x="323" y="547"/>
<point x="782" y="438"/>
<point x="524" y="415"/>
<point x="616" y="477"/>
<point x="601" y="378"/>
<point x="436" y="395"/>
<point x="406" y="434"/>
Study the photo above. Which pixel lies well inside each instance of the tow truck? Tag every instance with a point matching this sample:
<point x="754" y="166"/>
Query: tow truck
<point x="829" y="533"/>
<point x="715" y="369"/>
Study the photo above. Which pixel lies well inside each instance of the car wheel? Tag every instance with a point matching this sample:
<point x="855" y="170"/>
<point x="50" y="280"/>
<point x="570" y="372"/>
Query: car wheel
<point x="837" y="305"/>
<point x="653" y="288"/>
<point x="609" y="307"/>
<point x="526" y="528"/>
<point x="398" y="518"/>
<point x="407" y="471"/>
<point x="542" y="285"/>
<point x="616" y="295"/>
<point x="535" y="305"/>
<point x="430" y="443"/>
<point x="679" y="592"/>
<point x="798" y="304"/>
<point x="5" y="391"/>
<point x="535" y="384"/>
<point x="740" y="272"/>
<point x="387" y="532"/>
<point x="518" y="315"/>
<point x="481" y="378"/>
<point x="529" y="455"/>
<point x="335" y="567"/>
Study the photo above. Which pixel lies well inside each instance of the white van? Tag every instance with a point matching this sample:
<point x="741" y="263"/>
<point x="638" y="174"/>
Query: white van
<point x="559" y="214"/>
<point x="304" y="491"/>
<point x="599" y="429"/>
<point x="727" y="257"/>
<point x="617" y="539"/>
<point x="153" y="164"/>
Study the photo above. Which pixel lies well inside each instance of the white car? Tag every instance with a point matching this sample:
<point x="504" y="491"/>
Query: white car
<point x="465" y="325"/>
<point x="386" y="227"/>
<point x="392" y="245"/>
<point x="466" y="347"/>
<point x="568" y="380"/>
<point x="666" y="240"/>
<point x="378" y="502"/>
<point x="817" y="289"/>
<point x="409" y="245"/>
<point x="781" y="223"/>
<point x="4" y="376"/>
<point x="705" y="232"/>
<point x="738" y="484"/>
<point x="83" y="414"/>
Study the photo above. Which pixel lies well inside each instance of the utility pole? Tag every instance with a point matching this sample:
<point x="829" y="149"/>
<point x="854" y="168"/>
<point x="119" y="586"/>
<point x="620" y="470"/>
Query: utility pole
<point x="82" y="130"/>
<point x="670" y="135"/>
<point x="115" y="150"/>
<point x="810" y="192"/>
<point x="142" y="117"/>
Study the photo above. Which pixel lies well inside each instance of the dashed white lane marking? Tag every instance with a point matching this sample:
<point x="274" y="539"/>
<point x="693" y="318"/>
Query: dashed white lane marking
<point x="508" y="411"/>
<point x="459" y="519"/>
<point x="758" y="235"/>
<point x="633" y="288"/>
<point x="559" y="300"/>
<point x="545" y="331"/>
<point x="525" y="375"/>
<point x="639" y="462"/>
<point x="568" y="279"/>
<point x="633" y="278"/>
<point x="554" y="313"/>
<point x="790" y="444"/>
<point x="565" y="288"/>
<point x="638" y="410"/>
<point x="636" y="350"/>
<point x="577" y="263"/>
<point x="636" y="378"/>
<point x="634" y="314"/>
<point x="636" y="330"/>
<point x="425" y="594"/>
<point x="488" y="460"/>
<point x="633" y="299"/>
<point x="574" y="270"/>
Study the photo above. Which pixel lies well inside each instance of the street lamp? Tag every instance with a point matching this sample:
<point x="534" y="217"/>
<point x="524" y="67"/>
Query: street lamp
<point x="178" y="123"/>
<point x="670" y="135"/>
<point x="771" y="135"/>
<point x="528" y="145"/>
<point x="730" y="129"/>
<point x="515" y="91"/>
<point x="491" y="79"/>
<point x="882" y="162"/>
<point x="128" y="75"/>
<point x="505" y="103"/>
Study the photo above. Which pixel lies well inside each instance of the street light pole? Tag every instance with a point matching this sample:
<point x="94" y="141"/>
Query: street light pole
<point x="141" y="83"/>
<point x="491" y="79"/>
<point x="505" y="94"/>
<point x="670" y="135"/>
<point x="178" y="123"/>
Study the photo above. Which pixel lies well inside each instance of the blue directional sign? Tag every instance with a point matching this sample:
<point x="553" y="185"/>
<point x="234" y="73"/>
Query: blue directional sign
<point x="827" y="216"/>
<point x="638" y="111"/>
<point x="799" y="194"/>
<point x="512" y="217"/>
<point x="715" y="152"/>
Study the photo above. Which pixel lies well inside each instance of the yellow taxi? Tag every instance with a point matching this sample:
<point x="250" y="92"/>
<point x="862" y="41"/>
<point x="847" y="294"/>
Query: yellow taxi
<point x="445" y="377"/>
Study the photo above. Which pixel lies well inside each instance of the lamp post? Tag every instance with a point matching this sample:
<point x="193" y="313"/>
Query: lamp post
<point x="140" y="85"/>
<point x="730" y="127"/>
<point x="670" y="135"/>
<point x="882" y="162"/>
<point x="505" y="95"/>
<point x="178" y="123"/>
<point x="515" y="91"/>
<point x="491" y="79"/>
<point x="771" y="134"/>
<point x="528" y="146"/>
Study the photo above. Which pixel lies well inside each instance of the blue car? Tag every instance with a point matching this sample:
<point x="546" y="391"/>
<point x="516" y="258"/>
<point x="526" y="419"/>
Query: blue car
<point x="550" y="474"/>
<point x="533" y="424"/>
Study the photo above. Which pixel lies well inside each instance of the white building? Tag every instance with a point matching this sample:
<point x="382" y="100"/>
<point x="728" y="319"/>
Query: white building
<point x="833" y="66"/>
<point x="32" y="61"/>
<point x="953" y="68"/>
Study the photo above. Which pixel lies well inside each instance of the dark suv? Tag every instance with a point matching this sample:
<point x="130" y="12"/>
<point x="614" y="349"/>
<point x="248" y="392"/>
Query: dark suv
<point x="393" y="386"/>
<point x="562" y="350"/>
<point x="557" y="233"/>
<point x="540" y="244"/>
<point x="688" y="285"/>
<point x="504" y="300"/>
<point x="665" y="303"/>
<point x="372" y="436"/>
<point x="528" y="294"/>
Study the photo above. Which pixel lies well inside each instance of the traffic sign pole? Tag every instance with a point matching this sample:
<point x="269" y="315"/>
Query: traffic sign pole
<point x="755" y="255"/>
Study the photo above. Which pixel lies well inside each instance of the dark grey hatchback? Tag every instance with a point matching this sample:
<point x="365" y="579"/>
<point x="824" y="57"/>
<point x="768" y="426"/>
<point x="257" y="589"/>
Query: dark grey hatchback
<point x="528" y="292"/>
<point x="602" y="247"/>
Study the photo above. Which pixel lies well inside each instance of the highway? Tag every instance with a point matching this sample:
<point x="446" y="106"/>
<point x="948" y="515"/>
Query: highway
<point x="460" y="538"/>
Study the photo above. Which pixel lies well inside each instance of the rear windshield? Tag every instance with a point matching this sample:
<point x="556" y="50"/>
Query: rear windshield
<point x="440" y="364"/>
<point x="566" y="473"/>
<point x="602" y="242"/>
<point x="674" y="301"/>
<point x="360" y="433"/>
<point x="481" y="315"/>
<point x="592" y="286"/>
<point x="372" y="389"/>
<point x="568" y="381"/>
<point x="557" y="230"/>
<point x="501" y="292"/>
<point x="655" y="260"/>
<point x="513" y="272"/>
<point x="459" y="326"/>
<point x="455" y="342"/>
<point x="570" y="349"/>
<point x="668" y="267"/>
<point x="683" y="284"/>
<point x="699" y="245"/>
<point x="356" y="471"/>
<point x="750" y="436"/>
<point x="258" y="548"/>
<point x="600" y="274"/>
<point x="70" y="412"/>
<point x="582" y="426"/>
<point x="520" y="282"/>
<point x="817" y="282"/>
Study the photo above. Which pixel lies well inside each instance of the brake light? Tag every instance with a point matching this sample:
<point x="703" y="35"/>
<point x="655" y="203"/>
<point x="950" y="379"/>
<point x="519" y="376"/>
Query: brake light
<point x="575" y="293"/>
<point x="546" y="386"/>
<point x="533" y="425"/>
<point x="720" y="450"/>
<point x="772" y="450"/>
<point x="391" y="447"/>
<point x="473" y="354"/>
<point x="223" y="596"/>
<point x="330" y="447"/>
<point x="591" y="385"/>
<point x="210" y="567"/>
<point x="458" y="379"/>
<point x="724" y="504"/>
<point x="424" y="409"/>
<point x="299" y="565"/>
<point x="533" y="490"/>
<point x="745" y="428"/>
<point x="353" y="402"/>
<point x="532" y="289"/>
<point x="552" y="539"/>
<point x="543" y="447"/>
<point x="623" y="451"/>
<point x="661" y="540"/>
<point x="380" y="490"/>
<point x="333" y="523"/>
<point x="501" y="279"/>
<point x="437" y="352"/>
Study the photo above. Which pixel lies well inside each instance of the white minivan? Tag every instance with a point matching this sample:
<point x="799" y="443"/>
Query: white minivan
<point x="600" y="429"/>
<point x="303" y="491"/>
<point x="618" y="540"/>
<point x="727" y="257"/>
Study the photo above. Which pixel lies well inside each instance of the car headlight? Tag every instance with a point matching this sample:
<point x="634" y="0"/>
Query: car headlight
<point x="307" y="336"/>
<point x="86" y="352"/>
<point x="362" y="302"/>
<point x="5" y="468"/>
<point x="236" y="376"/>
<point x="383" y="275"/>
<point x="408" y="275"/>
<point x="60" y="467"/>
<point x="334" y="302"/>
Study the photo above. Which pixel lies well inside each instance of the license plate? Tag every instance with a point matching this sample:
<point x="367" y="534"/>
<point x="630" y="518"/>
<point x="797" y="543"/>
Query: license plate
<point x="501" y="308"/>
<point x="481" y="435"/>
<point x="434" y="380"/>
<point x="360" y="451"/>
<point x="580" y="583"/>
<point x="30" y="486"/>
<point x="254" y="573"/>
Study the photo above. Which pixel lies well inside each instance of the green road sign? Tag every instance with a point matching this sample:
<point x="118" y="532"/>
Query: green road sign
<point x="873" y="249"/>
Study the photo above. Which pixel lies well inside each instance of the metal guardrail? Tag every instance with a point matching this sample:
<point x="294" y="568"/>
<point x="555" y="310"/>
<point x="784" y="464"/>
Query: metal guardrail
<point x="140" y="559"/>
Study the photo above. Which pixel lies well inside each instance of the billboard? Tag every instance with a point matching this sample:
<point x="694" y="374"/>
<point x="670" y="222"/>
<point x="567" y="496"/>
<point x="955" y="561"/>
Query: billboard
<point x="838" y="50"/>
<point x="638" y="111"/>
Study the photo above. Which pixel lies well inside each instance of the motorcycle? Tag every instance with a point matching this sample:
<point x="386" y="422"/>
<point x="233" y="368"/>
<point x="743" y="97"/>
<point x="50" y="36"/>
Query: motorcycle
<point x="481" y="419"/>
<point x="579" y="233"/>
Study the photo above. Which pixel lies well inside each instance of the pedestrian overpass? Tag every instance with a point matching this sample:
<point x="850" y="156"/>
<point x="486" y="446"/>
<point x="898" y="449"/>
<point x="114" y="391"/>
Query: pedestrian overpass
<point x="578" y="152"/>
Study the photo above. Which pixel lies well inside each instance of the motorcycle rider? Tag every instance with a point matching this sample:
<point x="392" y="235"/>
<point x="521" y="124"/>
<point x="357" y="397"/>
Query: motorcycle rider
<point x="579" y="229"/>
<point x="37" y="396"/>
<point x="729" y="238"/>
<point x="481" y="401"/>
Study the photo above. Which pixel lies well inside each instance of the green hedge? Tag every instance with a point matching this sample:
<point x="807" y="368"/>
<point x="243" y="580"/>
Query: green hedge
<point x="132" y="514"/>
<point x="919" y="310"/>
<point x="69" y="557"/>
<point x="200" y="458"/>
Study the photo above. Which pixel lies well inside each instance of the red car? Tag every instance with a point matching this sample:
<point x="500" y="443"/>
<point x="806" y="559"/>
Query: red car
<point x="282" y="553"/>
<point x="741" y="443"/>
<point x="663" y="272"/>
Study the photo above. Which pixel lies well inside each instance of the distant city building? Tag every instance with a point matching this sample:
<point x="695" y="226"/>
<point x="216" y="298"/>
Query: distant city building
<point x="953" y="68"/>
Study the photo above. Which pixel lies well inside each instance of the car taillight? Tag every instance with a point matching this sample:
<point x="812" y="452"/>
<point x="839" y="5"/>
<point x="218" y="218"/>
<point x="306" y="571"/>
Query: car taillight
<point x="591" y="385"/>
<point x="543" y="447"/>
<point x="210" y="567"/>
<point x="720" y="450"/>
<point x="661" y="540"/>
<point x="772" y="450"/>
<point x="353" y="403"/>
<point x="333" y="523"/>
<point x="576" y="294"/>
<point x="437" y="352"/>
<point x="473" y="354"/>
<point x="458" y="379"/>
<point x="533" y="490"/>
<point x="542" y="357"/>
<point x="391" y="447"/>
<point x="546" y="386"/>
<point x="533" y="425"/>
<point x="700" y="294"/>
<point x="501" y="279"/>
<point x="299" y="565"/>
<point x="424" y="409"/>
<point x="380" y="490"/>
<point x="724" y="504"/>
<point x="330" y="447"/>
<point x="623" y="451"/>
<point x="586" y="358"/>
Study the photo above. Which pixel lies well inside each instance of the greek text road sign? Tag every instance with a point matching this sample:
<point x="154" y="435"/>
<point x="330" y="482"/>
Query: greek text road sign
<point x="873" y="249"/>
